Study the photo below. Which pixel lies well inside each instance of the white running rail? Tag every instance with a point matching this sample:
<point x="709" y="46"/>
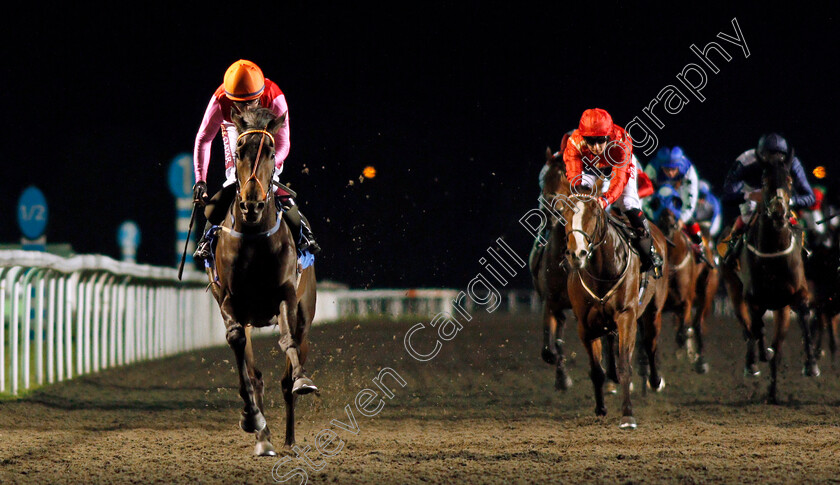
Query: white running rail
<point x="71" y="316"/>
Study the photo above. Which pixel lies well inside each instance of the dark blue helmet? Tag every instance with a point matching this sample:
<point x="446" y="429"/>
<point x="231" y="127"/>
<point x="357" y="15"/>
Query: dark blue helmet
<point x="771" y="143"/>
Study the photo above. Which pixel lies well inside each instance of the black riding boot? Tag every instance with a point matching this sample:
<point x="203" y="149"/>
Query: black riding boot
<point x="215" y="211"/>
<point x="203" y="251"/>
<point x="650" y="258"/>
<point x="299" y="225"/>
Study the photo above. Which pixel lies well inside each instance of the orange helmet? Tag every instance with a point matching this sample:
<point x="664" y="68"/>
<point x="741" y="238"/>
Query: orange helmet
<point x="595" y="122"/>
<point x="244" y="81"/>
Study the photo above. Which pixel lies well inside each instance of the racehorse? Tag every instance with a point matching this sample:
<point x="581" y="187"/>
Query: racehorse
<point x="769" y="275"/>
<point x="684" y="272"/>
<point x="549" y="273"/>
<point x="823" y="272"/>
<point x="707" y="287"/>
<point x="604" y="289"/>
<point x="256" y="280"/>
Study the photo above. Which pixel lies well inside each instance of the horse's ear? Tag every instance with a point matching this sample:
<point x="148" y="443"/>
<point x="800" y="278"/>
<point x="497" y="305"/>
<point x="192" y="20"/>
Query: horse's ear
<point x="548" y="155"/>
<point x="277" y="123"/>
<point x="236" y="118"/>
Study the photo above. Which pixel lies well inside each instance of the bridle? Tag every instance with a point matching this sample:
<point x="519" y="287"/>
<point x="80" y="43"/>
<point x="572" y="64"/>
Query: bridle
<point x="263" y="134"/>
<point x="599" y="229"/>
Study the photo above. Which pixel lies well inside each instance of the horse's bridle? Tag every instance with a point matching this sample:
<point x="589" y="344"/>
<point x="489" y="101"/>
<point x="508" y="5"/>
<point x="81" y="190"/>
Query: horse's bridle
<point x="253" y="176"/>
<point x="599" y="228"/>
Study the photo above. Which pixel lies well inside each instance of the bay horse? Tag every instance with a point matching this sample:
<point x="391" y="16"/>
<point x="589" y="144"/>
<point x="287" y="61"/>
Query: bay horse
<point x="549" y="272"/>
<point x="256" y="280"/>
<point x="684" y="268"/>
<point x="604" y="289"/>
<point x="823" y="272"/>
<point x="769" y="275"/>
<point x="707" y="286"/>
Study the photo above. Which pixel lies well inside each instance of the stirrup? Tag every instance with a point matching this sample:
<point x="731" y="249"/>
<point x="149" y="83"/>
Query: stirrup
<point x="202" y="252"/>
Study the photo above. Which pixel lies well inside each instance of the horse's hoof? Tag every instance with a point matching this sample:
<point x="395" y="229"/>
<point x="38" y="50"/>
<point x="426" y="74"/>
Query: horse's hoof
<point x="751" y="371"/>
<point x="600" y="411"/>
<point x="767" y="355"/>
<point x="701" y="367"/>
<point x="562" y="383"/>
<point x="811" y="370"/>
<point x="658" y="387"/>
<point x="611" y="388"/>
<point x="303" y="385"/>
<point x="627" y="422"/>
<point x="548" y="356"/>
<point x="252" y="423"/>
<point x="264" y="448"/>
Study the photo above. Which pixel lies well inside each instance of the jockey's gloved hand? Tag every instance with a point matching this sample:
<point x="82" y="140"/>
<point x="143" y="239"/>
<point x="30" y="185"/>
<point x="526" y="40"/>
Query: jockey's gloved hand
<point x="200" y="193"/>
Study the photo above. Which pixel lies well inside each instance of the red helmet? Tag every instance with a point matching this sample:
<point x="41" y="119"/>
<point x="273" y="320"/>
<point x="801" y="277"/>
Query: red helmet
<point x="595" y="122"/>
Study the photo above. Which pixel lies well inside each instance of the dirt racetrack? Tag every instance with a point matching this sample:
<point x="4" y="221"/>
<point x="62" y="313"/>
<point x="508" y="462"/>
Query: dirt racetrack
<point x="483" y="411"/>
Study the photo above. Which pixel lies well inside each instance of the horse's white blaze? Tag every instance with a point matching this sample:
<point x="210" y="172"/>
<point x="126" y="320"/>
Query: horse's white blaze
<point x="577" y="223"/>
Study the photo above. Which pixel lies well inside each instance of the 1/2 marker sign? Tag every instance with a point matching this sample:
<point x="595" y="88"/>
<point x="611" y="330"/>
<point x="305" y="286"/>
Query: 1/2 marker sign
<point x="32" y="213"/>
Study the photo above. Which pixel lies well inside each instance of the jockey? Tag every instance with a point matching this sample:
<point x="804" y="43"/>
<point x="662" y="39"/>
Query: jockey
<point x="671" y="166"/>
<point x="599" y="146"/>
<point x="244" y="88"/>
<point x="818" y="233"/>
<point x="742" y="187"/>
<point x="708" y="211"/>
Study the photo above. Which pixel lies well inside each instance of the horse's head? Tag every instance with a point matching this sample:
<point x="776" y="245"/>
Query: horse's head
<point x="666" y="207"/>
<point x="255" y="161"/>
<point x="586" y="224"/>
<point x="776" y="188"/>
<point x="555" y="176"/>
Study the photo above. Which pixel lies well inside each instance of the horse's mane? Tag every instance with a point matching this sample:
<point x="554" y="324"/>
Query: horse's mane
<point x="258" y="118"/>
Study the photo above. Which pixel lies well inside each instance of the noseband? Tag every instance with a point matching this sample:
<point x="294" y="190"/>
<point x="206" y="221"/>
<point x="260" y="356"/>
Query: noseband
<point x="253" y="176"/>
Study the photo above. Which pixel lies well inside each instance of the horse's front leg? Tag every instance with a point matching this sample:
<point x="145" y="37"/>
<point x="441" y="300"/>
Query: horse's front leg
<point x="626" y="324"/>
<point x="252" y="419"/>
<point x="562" y="381"/>
<point x="549" y="351"/>
<point x="263" y="446"/>
<point x="287" y="324"/>
<point x="596" y="372"/>
<point x="811" y="369"/>
<point x="782" y="318"/>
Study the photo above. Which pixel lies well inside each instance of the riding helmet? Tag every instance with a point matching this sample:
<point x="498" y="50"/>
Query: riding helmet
<point x="244" y="81"/>
<point x="595" y="122"/>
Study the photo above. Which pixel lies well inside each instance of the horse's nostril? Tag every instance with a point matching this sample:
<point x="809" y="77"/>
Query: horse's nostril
<point x="243" y="207"/>
<point x="260" y="206"/>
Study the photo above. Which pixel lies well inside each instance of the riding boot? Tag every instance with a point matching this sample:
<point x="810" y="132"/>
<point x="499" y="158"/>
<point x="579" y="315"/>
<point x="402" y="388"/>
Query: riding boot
<point x="204" y="251"/>
<point x="735" y="242"/>
<point x="299" y="225"/>
<point x="643" y="243"/>
<point x="307" y="239"/>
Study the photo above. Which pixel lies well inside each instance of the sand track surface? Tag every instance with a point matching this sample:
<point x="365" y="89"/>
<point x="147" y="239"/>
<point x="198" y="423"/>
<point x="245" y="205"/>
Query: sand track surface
<point x="484" y="410"/>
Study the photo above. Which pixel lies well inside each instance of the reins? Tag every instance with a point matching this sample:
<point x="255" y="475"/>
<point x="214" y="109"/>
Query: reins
<point x="253" y="176"/>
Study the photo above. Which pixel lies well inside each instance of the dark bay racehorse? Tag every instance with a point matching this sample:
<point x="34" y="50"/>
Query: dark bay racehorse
<point x="549" y="274"/>
<point x="256" y="278"/>
<point x="769" y="275"/>
<point x="604" y="285"/>
<point x="823" y="272"/>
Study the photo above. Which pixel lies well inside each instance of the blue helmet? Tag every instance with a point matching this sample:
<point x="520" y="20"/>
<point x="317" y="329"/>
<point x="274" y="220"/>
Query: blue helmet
<point x="704" y="188"/>
<point x="676" y="159"/>
<point x="666" y="197"/>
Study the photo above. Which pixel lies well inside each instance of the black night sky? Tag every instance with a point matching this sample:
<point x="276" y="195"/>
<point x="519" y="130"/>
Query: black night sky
<point x="453" y="105"/>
